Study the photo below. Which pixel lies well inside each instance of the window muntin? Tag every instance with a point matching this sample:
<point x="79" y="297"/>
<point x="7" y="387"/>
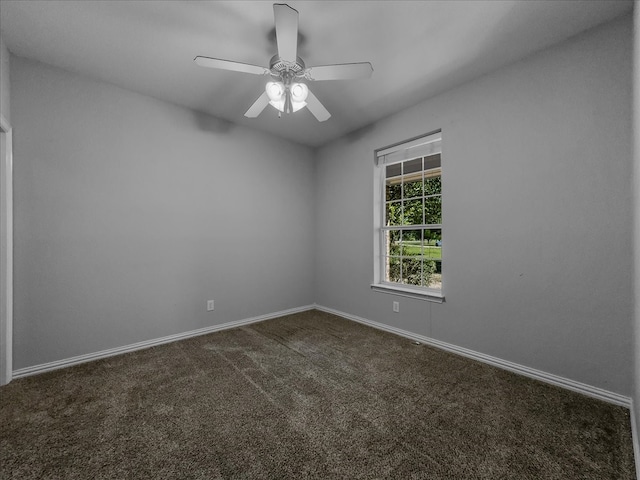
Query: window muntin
<point x="410" y="231"/>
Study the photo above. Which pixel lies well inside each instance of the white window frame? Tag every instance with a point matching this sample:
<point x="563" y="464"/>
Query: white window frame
<point x="423" y="145"/>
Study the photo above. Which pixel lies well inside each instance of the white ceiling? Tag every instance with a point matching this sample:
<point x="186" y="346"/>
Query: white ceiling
<point x="418" y="49"/>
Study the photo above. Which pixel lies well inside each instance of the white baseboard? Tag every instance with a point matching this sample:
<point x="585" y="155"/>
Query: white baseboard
<point x="67" y="362"/>
<point x="579" y="387"/>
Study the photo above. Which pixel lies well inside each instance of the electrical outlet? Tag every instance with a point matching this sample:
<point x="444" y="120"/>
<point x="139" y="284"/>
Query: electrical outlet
<point x="396" y="307"/>
<point x="209" y="305"/>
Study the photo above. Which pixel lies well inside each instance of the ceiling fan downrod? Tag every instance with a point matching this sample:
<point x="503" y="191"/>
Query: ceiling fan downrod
<point x="286" y="79"/>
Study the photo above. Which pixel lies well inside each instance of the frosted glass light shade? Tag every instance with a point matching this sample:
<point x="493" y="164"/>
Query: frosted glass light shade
<point x="275" y="91"/>
<point x="299" y="92"/>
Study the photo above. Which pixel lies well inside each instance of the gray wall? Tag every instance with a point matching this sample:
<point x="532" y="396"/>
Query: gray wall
<point x="537" y="211"/>
<point x="5" y="97"/>
<point x="130" y="213"/>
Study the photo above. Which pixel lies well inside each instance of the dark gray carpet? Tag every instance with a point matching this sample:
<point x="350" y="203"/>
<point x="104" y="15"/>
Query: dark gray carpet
<point x="309" y="395"/>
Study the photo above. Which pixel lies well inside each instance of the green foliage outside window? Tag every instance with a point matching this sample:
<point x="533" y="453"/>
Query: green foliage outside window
<point x="414" y="271"/>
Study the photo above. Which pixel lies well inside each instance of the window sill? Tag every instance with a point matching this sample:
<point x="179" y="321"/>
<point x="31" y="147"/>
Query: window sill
<point x="428" y="295"/>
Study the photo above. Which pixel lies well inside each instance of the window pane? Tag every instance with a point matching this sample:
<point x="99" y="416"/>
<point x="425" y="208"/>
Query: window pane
<point x="412" y="166"/>
<point x="433" y="210"/>
<point x="438" y="266"/>
<point x="432" y="161"/>
<point x="413" y="212"/>
<point x="394" y="170"/>
<point x="431" y="277"/>
<point x="412" y="242"/>
<point x="394" y="190"/>
<point x="392" y="269"/>
<point x="393" y="215"/>
<point x="413" y="188"/>
<point x="435" y="278"/>
<point x="392" y="242"/>
<point x="412" y="270"/>
<point x="432" y="244"/>
<point x="432" y="185"/>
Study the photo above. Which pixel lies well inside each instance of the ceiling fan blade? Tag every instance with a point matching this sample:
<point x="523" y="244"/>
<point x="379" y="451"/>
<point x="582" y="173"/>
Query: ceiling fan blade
<point x="286" y="31"/>
<point x="316" y="108"/>
<point x="229" y="65"/>
<point x="345" y="71"/>
<point x="258" y="106"/>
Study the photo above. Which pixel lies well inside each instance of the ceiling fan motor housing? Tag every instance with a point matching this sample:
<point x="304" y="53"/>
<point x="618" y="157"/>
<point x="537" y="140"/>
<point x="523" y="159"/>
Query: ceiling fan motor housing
<point x="286" y="70"/>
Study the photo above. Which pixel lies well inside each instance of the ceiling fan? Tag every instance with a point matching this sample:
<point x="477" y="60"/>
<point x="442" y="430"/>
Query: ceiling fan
<point x="286" y="92"/>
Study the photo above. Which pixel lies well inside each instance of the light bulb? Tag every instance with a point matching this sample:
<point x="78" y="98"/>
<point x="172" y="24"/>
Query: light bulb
<point x="275" y="91"/>
<point x="299" y="92"/>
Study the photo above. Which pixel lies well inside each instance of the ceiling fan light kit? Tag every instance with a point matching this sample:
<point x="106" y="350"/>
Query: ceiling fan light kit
<point x="286" y="92"/>
<point x="287" y="99"/>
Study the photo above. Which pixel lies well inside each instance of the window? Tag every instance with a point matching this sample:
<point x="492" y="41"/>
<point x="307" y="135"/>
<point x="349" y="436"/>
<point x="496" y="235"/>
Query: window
<point x="409" y="217"/>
